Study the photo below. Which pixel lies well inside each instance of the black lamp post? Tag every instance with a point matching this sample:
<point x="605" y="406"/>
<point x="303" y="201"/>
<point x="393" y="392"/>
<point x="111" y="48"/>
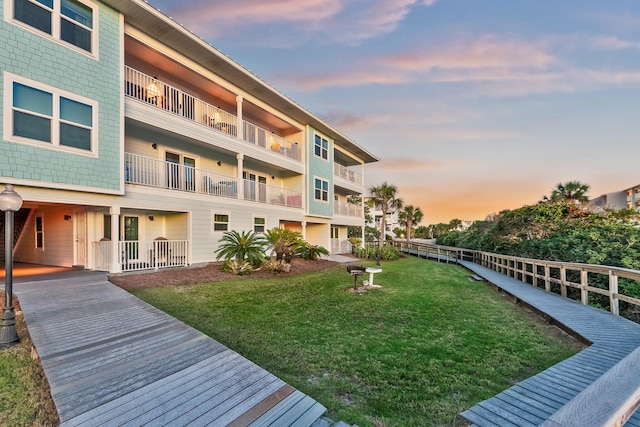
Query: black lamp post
<point x="10" y="202"/>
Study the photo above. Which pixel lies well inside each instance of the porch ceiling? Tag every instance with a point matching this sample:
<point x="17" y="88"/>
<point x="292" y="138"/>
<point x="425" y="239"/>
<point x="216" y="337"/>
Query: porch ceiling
<point x="162" y="28"/>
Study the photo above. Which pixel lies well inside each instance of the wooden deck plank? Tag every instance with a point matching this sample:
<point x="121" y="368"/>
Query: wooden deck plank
<point x="485" y="418"/>
<point x="537" y="410"/>
<point x="145" y="399"/>
<point x="510" y="412"/>
<point x="269" y="418"/>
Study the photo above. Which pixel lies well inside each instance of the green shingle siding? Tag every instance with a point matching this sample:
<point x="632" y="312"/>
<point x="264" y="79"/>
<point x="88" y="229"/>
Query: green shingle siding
<point x="38" y="58"/>
<point x="320" y="168"/>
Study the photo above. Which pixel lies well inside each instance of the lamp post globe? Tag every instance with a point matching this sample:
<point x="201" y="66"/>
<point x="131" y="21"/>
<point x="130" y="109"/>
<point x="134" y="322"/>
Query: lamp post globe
<point x="10" y="202"/>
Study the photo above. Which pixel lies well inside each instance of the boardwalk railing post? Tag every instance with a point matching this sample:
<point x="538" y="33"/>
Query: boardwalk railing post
<point x="614" y="303"/>
<point x="563" y="281"/>
<point x="547" y="277"/>
<point x="584" y="283"/>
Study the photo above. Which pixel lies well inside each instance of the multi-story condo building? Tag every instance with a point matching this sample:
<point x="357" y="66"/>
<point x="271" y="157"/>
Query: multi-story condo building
<point x="616" y="200"/>
<point x="136" y="145"/>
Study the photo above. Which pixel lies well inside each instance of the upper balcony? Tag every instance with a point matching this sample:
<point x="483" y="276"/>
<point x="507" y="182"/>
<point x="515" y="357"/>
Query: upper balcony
<point x="347" y="174"/>
<point x="347" y="209"/>
<point x="150" y="172"/>
<point x="163" y="96"/>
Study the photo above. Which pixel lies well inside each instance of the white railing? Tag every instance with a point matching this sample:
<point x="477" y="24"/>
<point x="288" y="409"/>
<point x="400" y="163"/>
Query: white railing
<point x="141" y="255"/>
<point x="270" y="141"/>
<point x="263" y="193"/>
<point x="341" y="246"/>
<point x="154" y="254"/>
<point x="347" y="209"/>
<point x="161" y="174"/>
<point x="347" y="174"/>
<point x="166" y="97"/>
<point x="102" y="255"/>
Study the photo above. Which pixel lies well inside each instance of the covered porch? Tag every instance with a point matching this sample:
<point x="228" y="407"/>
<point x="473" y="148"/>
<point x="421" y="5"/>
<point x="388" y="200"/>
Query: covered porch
<point x="143" y="240"/>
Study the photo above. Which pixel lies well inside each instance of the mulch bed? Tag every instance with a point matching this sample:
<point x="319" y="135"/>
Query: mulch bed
<point x="208" y="273"/>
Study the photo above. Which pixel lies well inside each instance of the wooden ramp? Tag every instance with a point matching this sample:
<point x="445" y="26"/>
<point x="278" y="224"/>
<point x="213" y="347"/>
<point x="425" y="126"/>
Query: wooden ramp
<point x="111" y="359"/>
<point x="533" y="401"/>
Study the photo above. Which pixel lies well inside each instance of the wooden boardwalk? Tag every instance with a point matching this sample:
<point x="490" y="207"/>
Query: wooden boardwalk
<point x="111" y="359"/>
<point x="532" y="401"/>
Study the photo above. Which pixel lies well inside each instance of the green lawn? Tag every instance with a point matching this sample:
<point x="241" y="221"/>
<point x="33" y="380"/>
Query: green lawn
<point x="425" y="347"/>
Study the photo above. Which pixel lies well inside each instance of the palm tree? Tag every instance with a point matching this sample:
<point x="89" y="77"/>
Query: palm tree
<point x="238" y="246"/>
<point x="383" y="197"/>
<point x="283" y="242"/>
<point x="570" y="192"/>
<point x="409" y="216"/>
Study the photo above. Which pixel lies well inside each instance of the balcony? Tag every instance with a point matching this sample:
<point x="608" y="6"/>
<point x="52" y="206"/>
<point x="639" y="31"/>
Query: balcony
<point x="269" y="194"/>
<point x="347" y="209"/>
<point x="347" y="174"/>
<point x="150" y="172"/>
<point x="157" y="94"/>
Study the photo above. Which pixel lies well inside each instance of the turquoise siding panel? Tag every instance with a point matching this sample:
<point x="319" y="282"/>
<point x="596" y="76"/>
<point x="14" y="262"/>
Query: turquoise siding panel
<point x="35" y="57"/>
<point x="320" y="168"/>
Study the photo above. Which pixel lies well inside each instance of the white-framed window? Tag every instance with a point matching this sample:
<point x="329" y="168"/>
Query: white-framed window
<point x="49" y="117"/>
<point x="220" y="222"/>
<point x="335" y="233"/>
<point x="259" y="224"/>
<point x="39" y="232"/>
<point x="321" y="147"/>
<point x="321" y="189"/>
<point x="70" y="22"/>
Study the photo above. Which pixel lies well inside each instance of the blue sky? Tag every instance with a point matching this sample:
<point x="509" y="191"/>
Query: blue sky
<point x="473" y="106"/>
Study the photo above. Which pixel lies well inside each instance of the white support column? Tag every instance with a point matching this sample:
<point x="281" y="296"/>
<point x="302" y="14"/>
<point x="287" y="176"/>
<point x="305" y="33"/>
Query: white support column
<point x="239" y="100"/>
<point x="240" y="158"/>
<point x="361" y="173"/>
<point x="116" y="267"/>
<point x="304" y="230"/>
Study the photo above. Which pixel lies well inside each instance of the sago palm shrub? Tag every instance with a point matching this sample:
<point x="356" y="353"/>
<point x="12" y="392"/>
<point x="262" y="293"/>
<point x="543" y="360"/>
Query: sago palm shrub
<point x="241" y="246"/>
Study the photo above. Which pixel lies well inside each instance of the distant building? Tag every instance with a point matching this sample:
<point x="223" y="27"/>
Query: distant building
<point x="616" y="200"/>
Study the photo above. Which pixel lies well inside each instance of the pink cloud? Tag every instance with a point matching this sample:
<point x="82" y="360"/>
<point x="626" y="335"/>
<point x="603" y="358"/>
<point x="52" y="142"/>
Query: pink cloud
<point x="214" y="18"/>
<point x="615" y="43"/>
<point x="487" y="52"/>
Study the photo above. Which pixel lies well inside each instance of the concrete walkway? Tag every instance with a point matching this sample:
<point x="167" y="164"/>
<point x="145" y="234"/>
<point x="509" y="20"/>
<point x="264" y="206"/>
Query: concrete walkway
<point x="112" y="359"/>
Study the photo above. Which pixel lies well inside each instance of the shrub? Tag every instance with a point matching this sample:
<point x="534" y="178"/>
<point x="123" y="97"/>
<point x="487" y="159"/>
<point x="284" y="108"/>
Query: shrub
<point x="276" y="266"/>
<point x="238" y="246"/>
<point x="236" y="267"/>
<point x="283" y="242"/>
<point x="311" y="252"/>
<point x="387" y="253"/>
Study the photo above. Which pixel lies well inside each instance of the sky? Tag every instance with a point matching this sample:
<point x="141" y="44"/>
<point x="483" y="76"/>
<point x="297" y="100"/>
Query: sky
<point x="472" y="106"/>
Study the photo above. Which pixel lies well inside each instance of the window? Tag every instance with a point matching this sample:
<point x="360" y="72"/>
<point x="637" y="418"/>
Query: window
<point x="39" y="233"/>
<point x="48" y="116"/>
<point x="258" y="225"/>
<point x="321" y="148"/>
<point x="321" y="190"/>
<point x="335" y="233"/>
<point x="106" y="232"/>
<point x="220" y="222"/>
<point x="70" y="21"/>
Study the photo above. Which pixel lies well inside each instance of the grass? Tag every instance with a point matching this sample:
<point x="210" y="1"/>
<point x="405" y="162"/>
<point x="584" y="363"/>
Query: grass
<point x="425" y="347"/>
<point x="24" y="392"/>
